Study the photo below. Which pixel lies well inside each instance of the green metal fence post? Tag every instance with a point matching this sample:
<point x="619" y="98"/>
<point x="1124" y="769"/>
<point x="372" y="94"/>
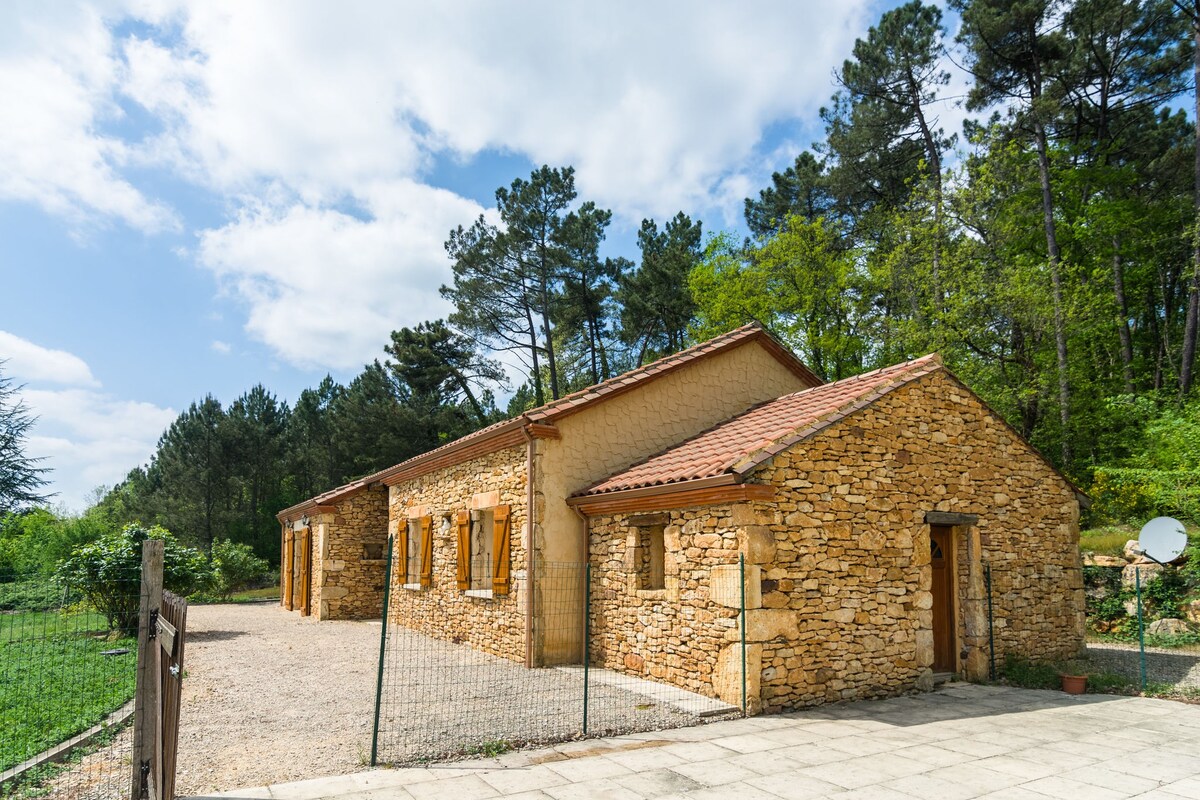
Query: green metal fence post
<point x="987" y="580"/>
<point x="1137" y="577"/>
<point x="587" y="632"/>
<point x="387" y="592"/>
<point x="742" y="581"/>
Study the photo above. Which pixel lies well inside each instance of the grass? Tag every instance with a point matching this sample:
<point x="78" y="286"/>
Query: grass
<point x="54" y="682"/>
<point x="1109" y="540"/>
<point x="247" y="596"/>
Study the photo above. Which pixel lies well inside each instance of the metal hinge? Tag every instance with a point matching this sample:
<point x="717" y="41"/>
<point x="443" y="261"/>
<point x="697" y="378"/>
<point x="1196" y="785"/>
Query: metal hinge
<point x="153" y="632"/>
<point x="144" y="789"/>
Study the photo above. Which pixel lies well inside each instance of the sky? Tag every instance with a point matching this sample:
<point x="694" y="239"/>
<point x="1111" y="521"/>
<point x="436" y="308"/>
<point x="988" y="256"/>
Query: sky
<point x="199" y="197"/>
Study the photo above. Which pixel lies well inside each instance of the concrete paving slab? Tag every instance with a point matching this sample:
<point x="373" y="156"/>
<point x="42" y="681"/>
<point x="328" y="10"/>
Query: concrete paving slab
<point x="681" y="699"/>
<point x="960" y="743"/>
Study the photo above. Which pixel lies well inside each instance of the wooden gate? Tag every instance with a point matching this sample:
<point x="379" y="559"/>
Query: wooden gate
<point x="162" y="629"/>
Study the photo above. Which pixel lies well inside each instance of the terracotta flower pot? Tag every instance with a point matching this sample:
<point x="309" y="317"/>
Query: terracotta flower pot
<point x="1073" y="684"/>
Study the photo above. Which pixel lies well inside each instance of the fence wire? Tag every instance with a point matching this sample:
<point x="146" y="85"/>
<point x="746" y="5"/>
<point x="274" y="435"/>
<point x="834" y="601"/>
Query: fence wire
<point x="453" y="679"/>
<point x="67" y="679"/>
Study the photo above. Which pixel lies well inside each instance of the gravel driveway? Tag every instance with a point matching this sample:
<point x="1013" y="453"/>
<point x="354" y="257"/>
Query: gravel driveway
<point x="271" y="696"/>
<point x="1179" y="668"/>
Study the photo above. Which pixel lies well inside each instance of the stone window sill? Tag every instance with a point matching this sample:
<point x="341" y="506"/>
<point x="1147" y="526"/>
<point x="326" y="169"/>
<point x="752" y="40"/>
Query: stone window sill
<point x="412" y="587"/>
<point x="480" y="594"/>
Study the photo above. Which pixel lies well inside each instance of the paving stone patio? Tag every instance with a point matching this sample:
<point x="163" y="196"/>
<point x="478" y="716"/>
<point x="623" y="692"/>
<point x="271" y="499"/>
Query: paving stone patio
<point x="962" y="741"/>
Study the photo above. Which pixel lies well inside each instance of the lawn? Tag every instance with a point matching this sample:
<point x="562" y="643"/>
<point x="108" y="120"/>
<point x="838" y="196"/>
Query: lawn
<point x="54" y="680"/>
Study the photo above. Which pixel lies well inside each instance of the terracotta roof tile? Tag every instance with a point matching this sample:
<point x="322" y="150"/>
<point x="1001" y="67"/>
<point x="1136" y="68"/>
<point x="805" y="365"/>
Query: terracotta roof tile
<point x="741" y="443"/>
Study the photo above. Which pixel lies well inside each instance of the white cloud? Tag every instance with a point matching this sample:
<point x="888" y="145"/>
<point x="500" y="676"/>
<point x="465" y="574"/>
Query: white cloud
<point x="27" y="361"/>
<point x="223" y="348"/>
<point x="58" y="76"/>
<point x="326" y="288"/>
<point x="293" y="114"/>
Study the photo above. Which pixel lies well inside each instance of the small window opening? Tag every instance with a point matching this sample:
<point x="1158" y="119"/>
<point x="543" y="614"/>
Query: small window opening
<point x="651" y="557"/>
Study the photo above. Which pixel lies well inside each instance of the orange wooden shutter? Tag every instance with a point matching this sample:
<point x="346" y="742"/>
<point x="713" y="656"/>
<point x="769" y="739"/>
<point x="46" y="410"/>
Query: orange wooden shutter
<point x="501" y="553"/>
<point x="464" y="550"/>
<point x="402" y="552"/>
<point x="426" y="552"/>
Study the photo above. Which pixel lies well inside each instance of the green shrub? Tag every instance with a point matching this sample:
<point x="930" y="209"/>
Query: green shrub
<point x="235" y="567"/>
<point x="37" y="594"/>
<point x="108" y="572"/>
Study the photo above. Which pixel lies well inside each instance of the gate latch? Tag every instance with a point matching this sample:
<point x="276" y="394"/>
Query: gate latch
<point x="153" y="632"/>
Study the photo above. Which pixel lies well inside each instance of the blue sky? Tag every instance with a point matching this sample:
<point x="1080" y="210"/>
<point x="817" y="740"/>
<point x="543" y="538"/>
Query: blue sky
<point x="200" y="197"/>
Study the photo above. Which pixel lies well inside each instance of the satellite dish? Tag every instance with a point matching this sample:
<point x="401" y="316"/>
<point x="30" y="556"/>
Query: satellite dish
<point x="1163" y="539"/>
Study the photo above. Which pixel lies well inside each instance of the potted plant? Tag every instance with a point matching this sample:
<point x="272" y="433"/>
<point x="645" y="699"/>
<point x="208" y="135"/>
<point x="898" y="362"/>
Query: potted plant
<point x="1074" y="677"/>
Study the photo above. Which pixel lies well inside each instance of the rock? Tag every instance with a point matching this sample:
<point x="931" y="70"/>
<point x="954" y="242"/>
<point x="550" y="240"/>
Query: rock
<point x="1167" y="627"/>
<point x="1192" y="611"/>
<point x="1149" y="571"/>
<point x="1093" y="560"/>
<point x="1132" y="550"/>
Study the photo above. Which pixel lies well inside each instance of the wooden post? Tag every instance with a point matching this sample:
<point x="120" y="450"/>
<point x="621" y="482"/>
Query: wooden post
<point x="146" y="714"/>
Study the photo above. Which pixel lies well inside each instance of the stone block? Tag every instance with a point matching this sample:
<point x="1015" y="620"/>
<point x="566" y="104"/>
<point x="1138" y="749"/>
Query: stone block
<point x="727" y="675"/>
<point x="765" y="624"/>
<point x="757" y="544"/>
<point x="724" y="588"/>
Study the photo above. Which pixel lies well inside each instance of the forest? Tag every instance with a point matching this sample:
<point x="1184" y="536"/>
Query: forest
<point x="1049" y="250"/>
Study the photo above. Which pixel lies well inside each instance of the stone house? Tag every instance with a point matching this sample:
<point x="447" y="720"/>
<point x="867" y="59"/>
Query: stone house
<point x="853" y="521"/>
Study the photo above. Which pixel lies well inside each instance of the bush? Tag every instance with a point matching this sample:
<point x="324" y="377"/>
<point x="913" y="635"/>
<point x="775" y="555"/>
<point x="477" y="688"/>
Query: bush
<point x="108" y="572"/>
<point x="235" y="567"/>
<point x="38" y="594"/>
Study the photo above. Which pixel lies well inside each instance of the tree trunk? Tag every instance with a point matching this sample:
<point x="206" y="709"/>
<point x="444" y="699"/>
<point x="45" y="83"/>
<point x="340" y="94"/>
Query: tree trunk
<point x="1060" y="331"/>
<point x="935" y="168"/>
<point x="1122" y="316"/>
<point x="1193" y="303"/>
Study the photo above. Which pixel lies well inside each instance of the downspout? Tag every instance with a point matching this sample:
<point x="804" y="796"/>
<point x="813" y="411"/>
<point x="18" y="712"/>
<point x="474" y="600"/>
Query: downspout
<point x="587" y="587"/>
<point x="530" y="454"/>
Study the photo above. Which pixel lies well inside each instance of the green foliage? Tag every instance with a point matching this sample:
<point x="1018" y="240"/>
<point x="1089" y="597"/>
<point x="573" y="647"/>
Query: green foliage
<point x="107" y="573"/>
<point x="1027" y="674"/>
<point x="33" y="594"/>
<point x="235" y="567"/>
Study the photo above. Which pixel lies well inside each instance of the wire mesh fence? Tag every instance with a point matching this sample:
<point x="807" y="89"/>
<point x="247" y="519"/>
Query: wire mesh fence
<point x="456" y="678"/>
<point x="67" y="678"/>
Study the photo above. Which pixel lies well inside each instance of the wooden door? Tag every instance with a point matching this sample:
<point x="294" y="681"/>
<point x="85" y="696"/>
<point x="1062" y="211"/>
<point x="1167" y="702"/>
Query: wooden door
<point x="941" y="542"/>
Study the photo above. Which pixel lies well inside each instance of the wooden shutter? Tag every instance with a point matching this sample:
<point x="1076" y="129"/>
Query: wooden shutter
<point x="402" y="551"/>
<point x="306" y="572"/>
<point x="464" y="550"/>
<point x="501" y="553"/>
<point x="285" y="569"/>
<point x="426" y="552"/>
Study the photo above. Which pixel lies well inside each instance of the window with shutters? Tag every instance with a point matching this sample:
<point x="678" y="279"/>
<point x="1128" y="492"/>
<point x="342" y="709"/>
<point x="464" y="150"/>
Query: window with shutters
<point x="484" y="551"/>
<point x="414" y="553"/>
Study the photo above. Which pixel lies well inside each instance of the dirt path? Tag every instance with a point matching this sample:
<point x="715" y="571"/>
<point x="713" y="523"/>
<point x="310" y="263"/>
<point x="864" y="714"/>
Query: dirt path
<point x="272" y="697"/>
<point x="1180" y="668"/>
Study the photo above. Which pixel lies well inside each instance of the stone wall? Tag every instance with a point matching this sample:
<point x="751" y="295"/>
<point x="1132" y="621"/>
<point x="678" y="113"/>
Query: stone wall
<point x="494" y="624"/>
<point x="838" y="565"/>
<point x="851" y="554"/>
<point x="679" y="634"/>
<point x="349" y="558"/>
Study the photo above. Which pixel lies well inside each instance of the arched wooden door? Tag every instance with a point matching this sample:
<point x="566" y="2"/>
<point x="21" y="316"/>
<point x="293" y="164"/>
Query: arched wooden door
<point x="941" y="542"/>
